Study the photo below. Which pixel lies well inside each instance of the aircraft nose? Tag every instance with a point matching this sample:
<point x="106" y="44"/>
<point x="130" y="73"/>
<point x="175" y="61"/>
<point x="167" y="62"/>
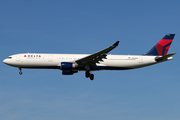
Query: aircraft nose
<point x="5" y="61"/>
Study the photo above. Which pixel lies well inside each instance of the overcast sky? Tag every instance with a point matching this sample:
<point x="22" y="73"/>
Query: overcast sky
<point x="85" y="27"/>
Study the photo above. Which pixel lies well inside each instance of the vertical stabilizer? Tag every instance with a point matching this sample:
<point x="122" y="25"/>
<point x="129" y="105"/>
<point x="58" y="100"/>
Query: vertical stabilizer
<point x="162" y="47"/>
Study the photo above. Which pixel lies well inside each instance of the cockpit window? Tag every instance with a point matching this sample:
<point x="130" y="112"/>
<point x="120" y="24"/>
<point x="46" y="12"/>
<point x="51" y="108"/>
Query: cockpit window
<point x="9" y="57"/>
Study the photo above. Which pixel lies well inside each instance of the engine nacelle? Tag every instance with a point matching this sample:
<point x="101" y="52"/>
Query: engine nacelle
<point x="67" y="65"/>
<point x="68" y="72"/>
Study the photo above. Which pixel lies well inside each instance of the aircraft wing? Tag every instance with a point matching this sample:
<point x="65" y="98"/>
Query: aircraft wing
<point x="96" y="57"/>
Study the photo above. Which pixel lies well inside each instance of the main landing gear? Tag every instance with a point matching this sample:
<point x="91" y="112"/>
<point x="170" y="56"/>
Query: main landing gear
<point x="88" y="74"/>
<point x="20" y="72"/>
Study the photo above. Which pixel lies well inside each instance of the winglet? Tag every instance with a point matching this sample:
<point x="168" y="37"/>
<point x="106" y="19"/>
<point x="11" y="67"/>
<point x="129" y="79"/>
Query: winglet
<point x="116" y="44"/>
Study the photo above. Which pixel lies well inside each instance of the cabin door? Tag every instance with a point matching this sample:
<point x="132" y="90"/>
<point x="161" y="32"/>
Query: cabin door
<point x="140" y="59"/>
<point x="50" y="58"/>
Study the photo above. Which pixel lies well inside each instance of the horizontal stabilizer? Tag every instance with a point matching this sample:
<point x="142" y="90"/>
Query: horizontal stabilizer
<point x="164" y="58"/>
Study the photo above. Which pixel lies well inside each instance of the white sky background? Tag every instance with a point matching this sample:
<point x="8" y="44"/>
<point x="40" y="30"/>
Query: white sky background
<point x="86" y="27"/>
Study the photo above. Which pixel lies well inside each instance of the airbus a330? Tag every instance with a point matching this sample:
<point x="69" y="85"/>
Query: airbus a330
<point x="72" y="63"/>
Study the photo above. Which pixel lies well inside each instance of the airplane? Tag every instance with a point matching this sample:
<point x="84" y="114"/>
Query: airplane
<point x="72" y="63"/>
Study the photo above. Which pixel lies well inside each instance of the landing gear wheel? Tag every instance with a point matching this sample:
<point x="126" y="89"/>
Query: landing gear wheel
<point x="91" y="76"/>
<point x="20" y="71"/>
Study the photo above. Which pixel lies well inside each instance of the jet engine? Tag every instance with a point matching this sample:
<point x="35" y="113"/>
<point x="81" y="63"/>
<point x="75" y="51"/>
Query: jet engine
<point x="67" y="65"/>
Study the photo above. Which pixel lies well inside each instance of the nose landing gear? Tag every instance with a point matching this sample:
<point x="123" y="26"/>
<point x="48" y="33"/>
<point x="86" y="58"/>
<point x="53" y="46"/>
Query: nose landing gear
<point x="20" y="72"/>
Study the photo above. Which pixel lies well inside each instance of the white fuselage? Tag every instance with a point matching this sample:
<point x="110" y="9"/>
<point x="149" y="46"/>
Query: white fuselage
<point x="53" y="61"/>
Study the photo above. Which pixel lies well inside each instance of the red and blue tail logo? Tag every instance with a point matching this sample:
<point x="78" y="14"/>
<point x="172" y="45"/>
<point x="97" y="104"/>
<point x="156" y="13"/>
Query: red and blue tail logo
<point x="162" y="47"/>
